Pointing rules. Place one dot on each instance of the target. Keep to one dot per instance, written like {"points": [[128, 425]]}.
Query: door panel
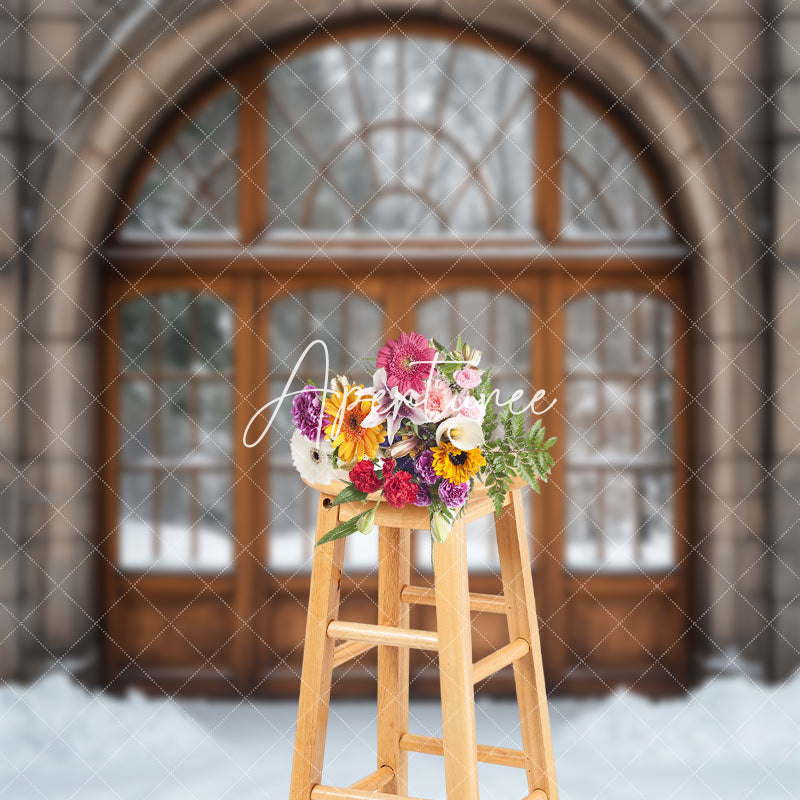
{"points": [[173, 585], [350, 319], [616, 602]]}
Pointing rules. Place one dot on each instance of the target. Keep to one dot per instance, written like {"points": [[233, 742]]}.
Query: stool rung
{"points": [[343, 653], [506, 655], [375, 781], [335, 793], [382, 634], [433, 746], [488, 603]]}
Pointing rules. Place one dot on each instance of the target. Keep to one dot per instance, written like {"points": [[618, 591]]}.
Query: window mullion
{"points": [[547, 143]]}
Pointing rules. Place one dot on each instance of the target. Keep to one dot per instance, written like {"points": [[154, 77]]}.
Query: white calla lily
{"points": [[462, 432]]}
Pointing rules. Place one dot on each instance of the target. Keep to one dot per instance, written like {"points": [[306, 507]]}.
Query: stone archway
{"points": [[93, 158]]}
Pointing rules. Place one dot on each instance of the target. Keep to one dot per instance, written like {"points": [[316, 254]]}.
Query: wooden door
{"points": [[177, 507], [502, 325], [615, 568]]}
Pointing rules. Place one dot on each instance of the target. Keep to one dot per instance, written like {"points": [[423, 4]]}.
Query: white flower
{"points": [[462, 432], [312, 462], [339, 384]]}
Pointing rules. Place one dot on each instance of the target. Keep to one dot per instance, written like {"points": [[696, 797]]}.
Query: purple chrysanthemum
{"points": [[423, 498], [307, 410], [423, 466], [454, 495]]}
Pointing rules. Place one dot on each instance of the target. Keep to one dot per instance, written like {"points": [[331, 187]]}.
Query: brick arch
{"points": [[94, 157]]}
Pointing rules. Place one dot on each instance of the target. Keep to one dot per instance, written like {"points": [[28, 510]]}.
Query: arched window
{"points": [[191, 187], [405, 136], [346, 188]]}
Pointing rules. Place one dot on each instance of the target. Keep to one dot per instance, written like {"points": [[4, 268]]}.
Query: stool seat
{"points": [[479, 505], [331, 642]]}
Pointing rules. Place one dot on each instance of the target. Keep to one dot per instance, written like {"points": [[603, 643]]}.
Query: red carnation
{"points": [[364, 478], [388, 466], [400, 490]]}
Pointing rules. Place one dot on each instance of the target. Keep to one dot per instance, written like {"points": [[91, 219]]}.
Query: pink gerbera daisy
{"points": [[405, 360]]}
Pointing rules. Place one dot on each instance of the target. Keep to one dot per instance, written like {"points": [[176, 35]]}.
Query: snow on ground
{"points": [[732, 739]]}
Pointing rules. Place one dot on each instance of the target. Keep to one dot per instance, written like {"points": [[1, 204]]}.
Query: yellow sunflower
{"points": [[457, 466], [346, 410]]}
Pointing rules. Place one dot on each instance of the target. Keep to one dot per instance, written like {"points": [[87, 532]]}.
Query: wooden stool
{"points": [[453, 641]]}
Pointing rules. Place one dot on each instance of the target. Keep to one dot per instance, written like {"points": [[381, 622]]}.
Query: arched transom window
{"points": [[397, 136]]}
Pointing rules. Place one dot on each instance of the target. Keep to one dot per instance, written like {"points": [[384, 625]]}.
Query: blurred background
{"points": [[601, 197]]}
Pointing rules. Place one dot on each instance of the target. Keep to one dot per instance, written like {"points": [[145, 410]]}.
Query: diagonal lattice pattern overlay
{"points": [[198, 518]]}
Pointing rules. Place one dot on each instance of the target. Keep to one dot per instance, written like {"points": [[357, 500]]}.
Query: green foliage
{"points": [[518, 453], [348, 495], [344, 528]]}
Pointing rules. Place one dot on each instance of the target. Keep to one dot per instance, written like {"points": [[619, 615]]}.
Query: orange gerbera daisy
{"points": [[347, 409]]}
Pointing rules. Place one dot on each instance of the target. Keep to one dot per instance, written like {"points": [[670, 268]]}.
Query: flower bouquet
{"points": [[423, 434]]}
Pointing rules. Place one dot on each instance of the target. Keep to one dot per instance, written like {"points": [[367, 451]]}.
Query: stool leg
{"points": [[394, 572], [315, 685], [455, 666], [515, 566]]}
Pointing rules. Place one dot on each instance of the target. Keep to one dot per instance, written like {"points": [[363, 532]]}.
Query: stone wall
{"points": [[61, 65], [786, 489]]}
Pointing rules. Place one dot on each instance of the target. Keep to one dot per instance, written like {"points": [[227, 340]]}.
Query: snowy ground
{"points": [[731, 740]]}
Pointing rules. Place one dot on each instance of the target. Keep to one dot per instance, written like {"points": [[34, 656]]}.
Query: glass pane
{"points": [[584, 337], [619, 348], [403, 136], [584, 534], [137, 426], [620, 521], [657, 538], [214, 530], [191, 186], [175, 422], [137, 320], [472, 311], [582, 415], [174, 534], [606, 192], [619, 512], [512, 332], [619, 423], [290, 545], [179, 415], [214, 421], [136, 512], [655, 322], [656, 410], [214, 322], [175, 340], [287, 331]]}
